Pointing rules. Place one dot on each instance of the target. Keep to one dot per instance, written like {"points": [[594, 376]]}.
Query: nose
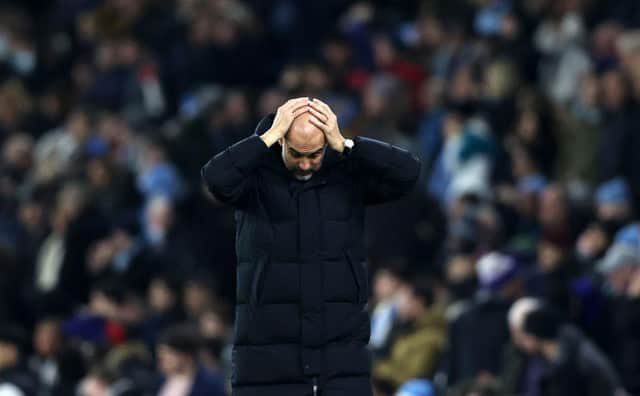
{"points": [[305, 165]]}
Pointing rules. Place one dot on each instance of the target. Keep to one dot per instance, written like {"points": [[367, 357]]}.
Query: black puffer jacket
{"points": [[302, 278]]}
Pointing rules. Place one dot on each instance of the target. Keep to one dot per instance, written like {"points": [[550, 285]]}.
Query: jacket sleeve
{"points": [[600, 375], [230, 175], [388, 172]]}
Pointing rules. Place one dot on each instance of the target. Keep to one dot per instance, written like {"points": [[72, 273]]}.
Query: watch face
{"points": [[348, 143]]}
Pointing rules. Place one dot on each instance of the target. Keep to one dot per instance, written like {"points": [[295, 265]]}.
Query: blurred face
{"points": [[553, 207], [161, 298], [315, 79], [46, 338], [160, 214], [612, 211], [78, 125], [31, 214], [373, 102], [224, 32], [592, 242], [549, 256], [170, 361], [196, 299], [462, 86], [237, 108], [459, 268], [336, 53], [409, 306], [430, 31], [98, 173], [452, 126], [527, 128], [269, 101], [8, 354], [18, 151], [128, 52], [200, 29], [385, 285], [100, 304], [384, 52], [93, 386], [212, 325], [303, 148], [620, 278]]}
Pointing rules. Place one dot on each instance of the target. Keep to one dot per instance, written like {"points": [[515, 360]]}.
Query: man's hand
{"points": [[325, 119], [284, 117]]}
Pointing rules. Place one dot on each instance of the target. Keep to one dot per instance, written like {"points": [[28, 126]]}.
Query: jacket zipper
{"points": [[315, 386]]}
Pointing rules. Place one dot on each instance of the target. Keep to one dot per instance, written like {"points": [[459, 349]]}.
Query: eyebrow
{"points": [[318, 151]]}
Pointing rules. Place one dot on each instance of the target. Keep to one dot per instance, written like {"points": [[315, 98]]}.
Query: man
{"points": [[477, 336], [575, 366], [178, 350], [301, 323], [101, 381], [15, 378], [520, 373], [421, 336]]}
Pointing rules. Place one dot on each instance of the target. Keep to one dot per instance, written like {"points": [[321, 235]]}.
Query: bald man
{"points": [[299, 189]]}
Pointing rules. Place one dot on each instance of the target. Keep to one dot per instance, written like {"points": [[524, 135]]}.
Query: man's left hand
{"points": [[326, 120]]}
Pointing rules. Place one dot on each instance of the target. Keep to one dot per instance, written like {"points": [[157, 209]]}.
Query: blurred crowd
{"points": [[513, 269]]}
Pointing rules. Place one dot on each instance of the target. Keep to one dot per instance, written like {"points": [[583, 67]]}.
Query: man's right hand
{"points": [[284, 117]]}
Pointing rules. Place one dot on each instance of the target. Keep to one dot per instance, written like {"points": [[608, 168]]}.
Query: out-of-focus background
{"points": [[117, 268]]}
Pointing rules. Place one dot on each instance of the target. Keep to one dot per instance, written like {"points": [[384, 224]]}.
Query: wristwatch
{"points": [[348, 146]]}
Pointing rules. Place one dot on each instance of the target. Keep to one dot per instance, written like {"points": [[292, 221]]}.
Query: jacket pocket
{"points": [[359, 276], [257, 281], [253, 331]]}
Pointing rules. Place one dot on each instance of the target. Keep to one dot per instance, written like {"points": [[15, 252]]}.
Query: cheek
{"points": [[290, 162], [317, 161]]}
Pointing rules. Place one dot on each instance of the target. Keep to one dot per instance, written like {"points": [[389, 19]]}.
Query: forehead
{"points": [[305, 142]]}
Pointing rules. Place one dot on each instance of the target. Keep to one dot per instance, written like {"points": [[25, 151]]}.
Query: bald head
{"points": [[304, 136], [303, 147]]}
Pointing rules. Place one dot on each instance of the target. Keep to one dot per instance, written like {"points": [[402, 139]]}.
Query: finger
{"points": [[299, 105], [294, 105], [297, 101], [321, 116], [318, 123], [323, 105], [325, 114], [299, 111], [318, 106]]}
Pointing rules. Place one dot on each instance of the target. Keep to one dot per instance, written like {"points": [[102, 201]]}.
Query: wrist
{"points": [[270, 137], [337, 143]]}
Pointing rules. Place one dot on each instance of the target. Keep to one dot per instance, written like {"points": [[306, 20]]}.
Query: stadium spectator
{"points": [[418, 344], [178, 359], [574, 365]]}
